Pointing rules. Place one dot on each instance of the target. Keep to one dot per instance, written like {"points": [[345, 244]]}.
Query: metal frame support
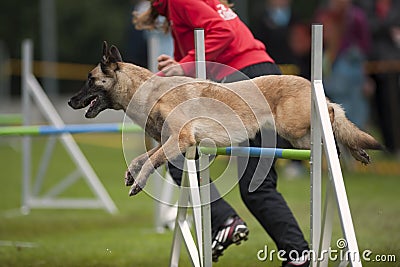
{"points": [[321, 221], [30, 198], [316, 144], [195, 197], [204, 160], [321, 230], [200, 254]]}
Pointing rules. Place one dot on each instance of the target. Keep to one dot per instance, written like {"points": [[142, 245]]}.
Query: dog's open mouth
{"points": [[94, 102], [94, 107]]}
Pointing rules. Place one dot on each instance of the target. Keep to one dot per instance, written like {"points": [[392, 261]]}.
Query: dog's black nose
{"points": [[70, 103]]}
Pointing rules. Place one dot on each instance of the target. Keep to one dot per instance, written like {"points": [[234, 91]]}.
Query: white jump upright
{"points": [[321, 221], [322, 139], [191, 195], [31, 90]]}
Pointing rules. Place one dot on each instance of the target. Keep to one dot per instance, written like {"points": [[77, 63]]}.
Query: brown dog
{"points": [[179, 112]]}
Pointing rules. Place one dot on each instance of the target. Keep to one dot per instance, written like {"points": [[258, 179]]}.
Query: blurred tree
{"points": [[81, 26], [18, 20]]}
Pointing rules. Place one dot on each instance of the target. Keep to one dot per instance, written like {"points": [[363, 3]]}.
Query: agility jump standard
{"points": [[198, 196], [320, 219], [32, 197]]}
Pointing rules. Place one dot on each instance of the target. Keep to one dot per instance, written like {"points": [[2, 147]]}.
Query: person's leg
{"points": [[387, 103], [267, 204]]}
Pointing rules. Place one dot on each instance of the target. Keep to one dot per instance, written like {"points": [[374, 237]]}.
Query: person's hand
{"points": [[169, 66]]}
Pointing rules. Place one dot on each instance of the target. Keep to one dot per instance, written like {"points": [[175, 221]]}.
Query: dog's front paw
{"points": [[140, 180], [135, 189], [132, 172], [129, 179]]}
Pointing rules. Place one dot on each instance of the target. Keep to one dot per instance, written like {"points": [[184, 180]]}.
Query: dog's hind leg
{"points": [[136, 165], [170, 150]]}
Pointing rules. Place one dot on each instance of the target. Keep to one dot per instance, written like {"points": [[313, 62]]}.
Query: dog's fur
{"points": [[158, 105]]}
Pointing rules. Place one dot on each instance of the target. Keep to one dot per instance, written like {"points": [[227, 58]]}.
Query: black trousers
{"points": [[265, 203], [387, 101]]}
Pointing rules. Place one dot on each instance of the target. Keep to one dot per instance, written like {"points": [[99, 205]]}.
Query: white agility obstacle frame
{"points": [[321, 130], [31, 90], [191, 195], [321, 219]]}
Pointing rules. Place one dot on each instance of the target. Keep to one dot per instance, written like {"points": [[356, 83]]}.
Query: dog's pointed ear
{"points": [[115, 55], [104, 59], [109, 59]]}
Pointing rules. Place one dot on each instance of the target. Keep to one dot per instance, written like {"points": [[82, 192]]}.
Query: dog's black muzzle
{"points": [[97, 100]]}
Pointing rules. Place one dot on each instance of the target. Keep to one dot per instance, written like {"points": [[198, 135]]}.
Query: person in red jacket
{"points": [[228, 41]]}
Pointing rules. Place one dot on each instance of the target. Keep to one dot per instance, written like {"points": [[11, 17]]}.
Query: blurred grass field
{"points": [[96, 238]]}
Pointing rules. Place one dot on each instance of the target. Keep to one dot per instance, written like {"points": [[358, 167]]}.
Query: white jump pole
{"points": [[204, 161], [200, 254], [316, 144], [27, 140], [321, 127]]}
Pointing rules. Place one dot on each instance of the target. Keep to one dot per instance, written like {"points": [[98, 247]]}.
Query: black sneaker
{"points": [[233, 231]]}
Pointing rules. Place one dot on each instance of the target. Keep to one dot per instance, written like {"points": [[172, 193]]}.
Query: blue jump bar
{"points": [[75, 128]]}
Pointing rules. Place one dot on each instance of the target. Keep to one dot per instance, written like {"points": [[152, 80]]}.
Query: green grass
{"points": [[96, 238]]}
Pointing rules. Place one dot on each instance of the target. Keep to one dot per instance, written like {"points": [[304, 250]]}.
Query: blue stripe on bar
{"points": [[253, 151], [278, 152], [76, 128]]}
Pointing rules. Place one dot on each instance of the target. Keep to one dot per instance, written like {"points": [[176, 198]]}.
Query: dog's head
{"points": [[97, 92]]}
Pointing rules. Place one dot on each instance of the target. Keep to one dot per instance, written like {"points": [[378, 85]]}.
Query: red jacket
{"points": [[227, 39]]}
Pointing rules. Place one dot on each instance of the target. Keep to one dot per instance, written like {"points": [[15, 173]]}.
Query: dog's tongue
{"points": [[92, 102]]}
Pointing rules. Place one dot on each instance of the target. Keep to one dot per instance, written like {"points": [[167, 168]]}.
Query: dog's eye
{"points": [[103, 81], [90, 82]]}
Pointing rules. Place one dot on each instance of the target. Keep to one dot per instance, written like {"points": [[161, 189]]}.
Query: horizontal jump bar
{"points": [[37, 130], [70, 128], [298, 154]]}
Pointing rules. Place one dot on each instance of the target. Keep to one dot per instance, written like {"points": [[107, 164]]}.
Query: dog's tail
{"points": [[350, 135]]}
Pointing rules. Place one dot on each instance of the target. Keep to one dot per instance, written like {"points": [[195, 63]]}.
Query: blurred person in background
{"points": [[137, 42], [384, 23], [279, 29], [272, 27], [347, 43], [300, 47], [142, 45], [300, 50]]}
